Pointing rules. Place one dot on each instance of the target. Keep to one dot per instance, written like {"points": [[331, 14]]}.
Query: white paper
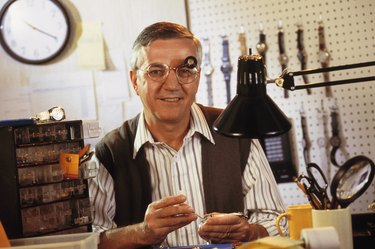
{"points": [[15, 103], [72, 91]]}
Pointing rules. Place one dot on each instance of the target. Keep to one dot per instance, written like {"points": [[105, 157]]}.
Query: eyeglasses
{"points": [[159, 72]]}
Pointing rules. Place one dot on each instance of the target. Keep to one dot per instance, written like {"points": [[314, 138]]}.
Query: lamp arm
{"points": [[286, 79]]}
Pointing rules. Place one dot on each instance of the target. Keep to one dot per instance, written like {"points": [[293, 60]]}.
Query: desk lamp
{"points": [[252, 113]]}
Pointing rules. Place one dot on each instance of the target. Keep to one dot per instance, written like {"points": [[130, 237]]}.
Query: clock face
{"points": [[34, 31]]}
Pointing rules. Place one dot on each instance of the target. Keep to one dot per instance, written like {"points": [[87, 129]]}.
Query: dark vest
{"points": [[222, 166]]}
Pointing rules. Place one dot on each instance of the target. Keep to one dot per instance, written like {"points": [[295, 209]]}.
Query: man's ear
{"points": [[133, 78]]}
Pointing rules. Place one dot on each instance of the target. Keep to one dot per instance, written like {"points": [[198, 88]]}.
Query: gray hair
{"points": [[161, 30]]}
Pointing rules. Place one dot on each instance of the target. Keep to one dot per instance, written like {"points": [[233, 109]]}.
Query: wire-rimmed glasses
{"points": [[159, 72]]}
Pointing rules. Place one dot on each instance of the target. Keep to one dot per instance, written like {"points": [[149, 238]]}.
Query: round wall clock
{"points": [[34, 31]]}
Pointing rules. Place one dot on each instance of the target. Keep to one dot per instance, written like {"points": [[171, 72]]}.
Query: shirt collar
{"points": [[198, 124]]}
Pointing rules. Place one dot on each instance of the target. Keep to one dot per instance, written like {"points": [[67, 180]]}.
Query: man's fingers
{"points": [[223, 219], [169, 201]]}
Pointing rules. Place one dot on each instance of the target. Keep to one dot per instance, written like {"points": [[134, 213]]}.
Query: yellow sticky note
{"points": [[90, 47], [69, 163]]}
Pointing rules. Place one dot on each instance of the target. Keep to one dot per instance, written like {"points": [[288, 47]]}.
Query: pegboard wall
{"points": [[350, 38]]}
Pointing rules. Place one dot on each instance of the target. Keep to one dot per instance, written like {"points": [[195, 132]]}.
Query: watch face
{"points": [[324, 56], [283, 59], [261, 47], [207, 69], [34, 31], [335, 141], [57, 113]]}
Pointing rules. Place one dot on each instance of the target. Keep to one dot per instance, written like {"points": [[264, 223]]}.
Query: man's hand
{"points": [[161, 218], [165, 216], [229, 228]]}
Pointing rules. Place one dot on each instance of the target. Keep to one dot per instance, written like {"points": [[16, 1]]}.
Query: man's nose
{"points": [[172, 81]]}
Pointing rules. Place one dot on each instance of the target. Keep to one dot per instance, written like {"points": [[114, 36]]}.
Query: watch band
{"points": [[226, 67], [302, 55], [324, 56], [208, 70], [283, 57], [305, 138], [262, 46], [242, 40], [335, 140]]}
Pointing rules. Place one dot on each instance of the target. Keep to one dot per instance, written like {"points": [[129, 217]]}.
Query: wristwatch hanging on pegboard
{"points": [[302, 55], [262, 46], [335, 140], [242, 40], [226, 67], [306, 143], [283, 57], [324, 56], [208, 70]]}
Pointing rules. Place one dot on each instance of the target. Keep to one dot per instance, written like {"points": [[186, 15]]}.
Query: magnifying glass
{"points": [[351, 181]]}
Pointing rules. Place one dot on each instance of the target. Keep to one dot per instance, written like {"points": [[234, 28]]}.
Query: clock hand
{"points": [[39, 30]]}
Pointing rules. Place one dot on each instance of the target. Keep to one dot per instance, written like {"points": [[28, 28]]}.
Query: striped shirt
{"points": [[174, 172]]}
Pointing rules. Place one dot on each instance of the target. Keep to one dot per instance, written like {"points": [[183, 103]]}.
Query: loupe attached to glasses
{"points": [[351, 181], [190, 62]]}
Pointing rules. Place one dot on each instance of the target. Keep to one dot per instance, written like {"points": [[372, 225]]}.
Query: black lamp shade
{"points": [[251, 113]]}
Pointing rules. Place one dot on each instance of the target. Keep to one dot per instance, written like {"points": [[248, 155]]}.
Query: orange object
{"points": [[4, 241], [84, 150], [69, 163]]}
